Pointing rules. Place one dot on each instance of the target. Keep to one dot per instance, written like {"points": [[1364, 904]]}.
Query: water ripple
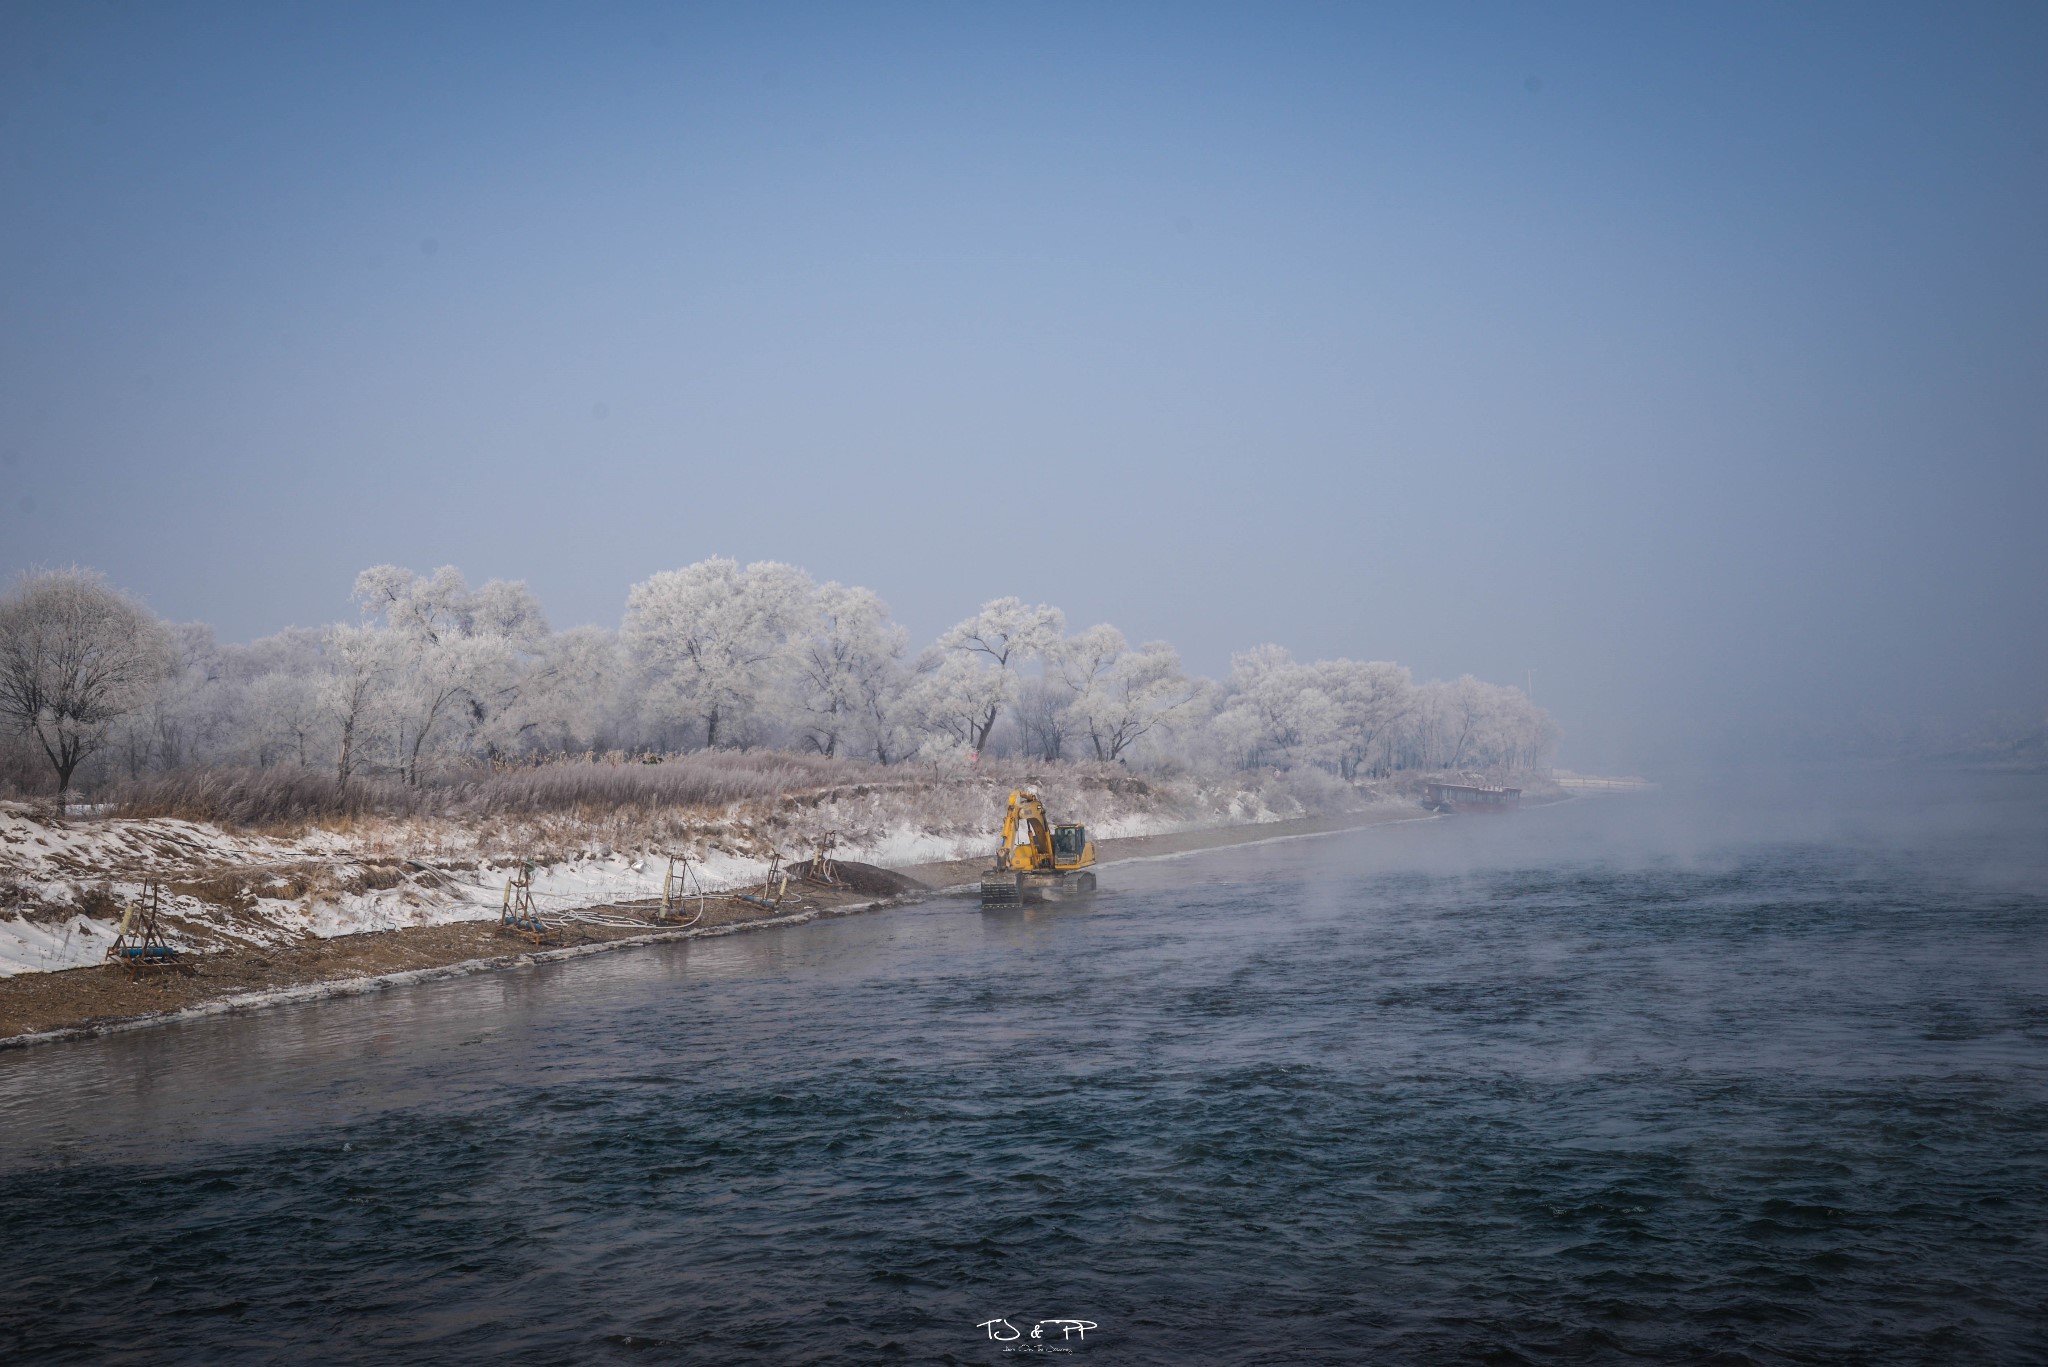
{"points": [[1434, 1095]]}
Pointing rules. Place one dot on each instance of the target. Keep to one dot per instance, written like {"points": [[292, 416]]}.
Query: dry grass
{"points": [[268, 798], [260, 797], [706, 779], [741, 802]]}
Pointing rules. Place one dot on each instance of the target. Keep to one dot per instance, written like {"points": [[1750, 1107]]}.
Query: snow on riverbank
{"points": [[64, 883], [29, 947]]}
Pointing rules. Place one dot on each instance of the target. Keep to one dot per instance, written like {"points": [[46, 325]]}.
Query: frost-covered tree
{"points": [[1465, 703], [298, 651], [951, 696], [191, 719], [1280, 708], [284, 715], [418, 607], [1086, 656], [1234, 736], [76, 656], [997, 643], [442, 689], [720, 655], [1044, 717], [358, 667], [1370, 698], [713, 642], [1468, 723], [573, 696], [1511, 732], [506, 610], [509, 644], [847, 666], [889, 725], [1124, 695], [459, 658]]}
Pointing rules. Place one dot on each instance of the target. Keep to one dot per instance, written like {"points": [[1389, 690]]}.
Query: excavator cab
{"points": [[1069, 844]]}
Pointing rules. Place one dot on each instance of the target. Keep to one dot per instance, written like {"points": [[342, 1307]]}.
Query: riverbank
{"points": [[82, 1002], [228, 875]]}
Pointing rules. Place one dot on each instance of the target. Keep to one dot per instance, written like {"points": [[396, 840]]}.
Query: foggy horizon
{"points": [[1684, 364]]}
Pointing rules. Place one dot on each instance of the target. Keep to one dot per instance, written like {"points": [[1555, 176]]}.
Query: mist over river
{"points": [[1756, 1071]]}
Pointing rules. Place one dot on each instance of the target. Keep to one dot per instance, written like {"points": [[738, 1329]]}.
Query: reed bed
{"points": [[581, 785]]}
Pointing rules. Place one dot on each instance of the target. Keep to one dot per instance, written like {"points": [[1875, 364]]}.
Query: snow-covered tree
{"points": [[1043, 710], [359, 664], [1279, 707], [573, 697], [443, 689], [997, 643], [1117, 695], [847, 667], [714, 642], [506, 610], [419, 607], [718, 655], [189, 718], [950, 697], [1138, 691], [284, 715], [460, 658], [1468, 723], [890, 725], [76, 656], [298, 651], [1465, 703], [1370, 697], [1086, 656], [193, 713]]}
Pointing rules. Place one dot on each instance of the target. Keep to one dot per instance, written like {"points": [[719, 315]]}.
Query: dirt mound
{"points": [[865, 879]]}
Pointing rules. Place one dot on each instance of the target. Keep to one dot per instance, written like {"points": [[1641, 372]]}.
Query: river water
{"points": [[1745, 1076]]}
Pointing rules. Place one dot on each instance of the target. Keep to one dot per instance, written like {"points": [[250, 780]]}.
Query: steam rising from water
{"points": [[1650, 1078]]}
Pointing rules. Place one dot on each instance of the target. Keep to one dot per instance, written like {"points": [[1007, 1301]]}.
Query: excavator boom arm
{"points": [[1025, 816]]}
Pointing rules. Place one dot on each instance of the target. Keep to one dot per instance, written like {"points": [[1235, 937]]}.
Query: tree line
{"points": [[436, 675]]}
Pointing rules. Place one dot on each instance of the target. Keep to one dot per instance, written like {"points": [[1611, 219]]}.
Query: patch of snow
{"points": [[30, 947]]}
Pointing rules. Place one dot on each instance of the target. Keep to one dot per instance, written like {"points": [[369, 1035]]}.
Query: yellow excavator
{"points": [[1039, 861]]}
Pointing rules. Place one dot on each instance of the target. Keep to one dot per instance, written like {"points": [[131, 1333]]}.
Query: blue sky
{"points": [[1690, 358]]}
